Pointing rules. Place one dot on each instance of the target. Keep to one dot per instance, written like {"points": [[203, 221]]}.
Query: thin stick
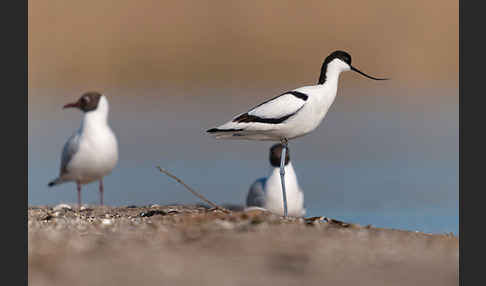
{"points": [[191, 190]]}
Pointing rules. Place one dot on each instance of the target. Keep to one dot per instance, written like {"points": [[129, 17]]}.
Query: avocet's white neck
{"points": [[334, 69], [97, 117]]}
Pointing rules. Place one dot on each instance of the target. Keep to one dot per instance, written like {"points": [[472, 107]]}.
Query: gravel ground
{"points": [[194, 245]]}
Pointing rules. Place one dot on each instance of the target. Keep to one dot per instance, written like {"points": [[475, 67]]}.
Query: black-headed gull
{"points": [[291, 114], [267, 192], [92, 151]]}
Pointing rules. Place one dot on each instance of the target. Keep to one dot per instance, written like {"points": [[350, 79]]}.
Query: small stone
{"points": [[60, 207], [224, 224], [337, 222], [152, 212], [47, 217], [107, 221], [314, 220], [257, 220]]}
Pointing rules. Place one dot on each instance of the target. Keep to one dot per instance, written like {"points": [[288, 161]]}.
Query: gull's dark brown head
{"points": [[276, 155], [87, 102]]}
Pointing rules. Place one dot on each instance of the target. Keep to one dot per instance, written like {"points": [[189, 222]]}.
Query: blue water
{"points": [[383, 156]]}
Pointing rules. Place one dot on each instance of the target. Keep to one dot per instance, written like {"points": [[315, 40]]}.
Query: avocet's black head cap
{"points": [[276, 155], [87, 102], [345, 57], [342, 55]]}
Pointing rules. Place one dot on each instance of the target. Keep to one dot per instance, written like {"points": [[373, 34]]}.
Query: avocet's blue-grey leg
{"points": [[282, 174]]}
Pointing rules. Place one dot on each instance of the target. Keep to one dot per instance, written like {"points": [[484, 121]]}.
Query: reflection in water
{"points": [[382, 156]]}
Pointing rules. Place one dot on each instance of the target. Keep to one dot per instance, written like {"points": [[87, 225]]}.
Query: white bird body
{"points": [[290, 115], [267, 193], [97, 148], [92, 151]]}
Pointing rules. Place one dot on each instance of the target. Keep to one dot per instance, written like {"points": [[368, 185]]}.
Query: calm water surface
{"points": [[383, 156]]}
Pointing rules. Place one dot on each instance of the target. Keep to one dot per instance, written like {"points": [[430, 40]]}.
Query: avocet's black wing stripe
{"points": [[216, 130], [297, 94], [275, 110], [246, 118]]}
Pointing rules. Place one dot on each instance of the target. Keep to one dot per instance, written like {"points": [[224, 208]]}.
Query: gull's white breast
{"points": [[96, 157], [274, 197]]}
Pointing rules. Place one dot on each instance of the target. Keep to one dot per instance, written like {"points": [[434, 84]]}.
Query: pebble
{"points": [[152, 212], [46, 217], [60, 207], [224, 224], [107, 221]]}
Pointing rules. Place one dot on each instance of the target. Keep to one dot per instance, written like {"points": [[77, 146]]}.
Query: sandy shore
{"points": [[190, 245]]}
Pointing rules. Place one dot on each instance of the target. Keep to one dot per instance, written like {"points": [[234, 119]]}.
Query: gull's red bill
{"points": [[72, 105]]}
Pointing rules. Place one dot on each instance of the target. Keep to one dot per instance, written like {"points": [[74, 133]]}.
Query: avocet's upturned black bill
{"points": [[291, 114], [368, 76]]}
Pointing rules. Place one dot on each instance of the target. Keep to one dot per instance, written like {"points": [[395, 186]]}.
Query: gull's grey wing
{"points": [[70, 148], [256, 194]]}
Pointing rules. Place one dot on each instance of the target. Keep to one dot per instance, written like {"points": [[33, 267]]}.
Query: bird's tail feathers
{"points": [[221, 133], [54, 182], [226, 130]]}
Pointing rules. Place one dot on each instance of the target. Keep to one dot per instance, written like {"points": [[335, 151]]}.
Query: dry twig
{"points": [[192, 191]]}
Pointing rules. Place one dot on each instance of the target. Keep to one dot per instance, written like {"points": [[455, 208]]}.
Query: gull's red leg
{"points": [[101, 192], [79, 194]]}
